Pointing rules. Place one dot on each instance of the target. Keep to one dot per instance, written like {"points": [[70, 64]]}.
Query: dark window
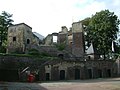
{"points": [[14, 38], [28, 41]]}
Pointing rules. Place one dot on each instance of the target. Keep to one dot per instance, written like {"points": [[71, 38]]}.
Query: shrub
{"points": [[2, 49], [33, 52], [60, 47]]}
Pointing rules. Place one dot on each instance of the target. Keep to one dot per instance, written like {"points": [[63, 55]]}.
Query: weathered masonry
{"points": [[70, 58], [70, 70], [21, 38], [57, 69]]}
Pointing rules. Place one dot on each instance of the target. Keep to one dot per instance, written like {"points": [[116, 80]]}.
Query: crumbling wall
{"points": [[15, 39], [20, 38]]}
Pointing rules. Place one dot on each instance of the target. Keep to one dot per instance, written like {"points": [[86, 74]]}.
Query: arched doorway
{"points": [[61, 56], [77, 73], [47, 76], [99, 73], [90, 73], [62, 74], [108, 72]]}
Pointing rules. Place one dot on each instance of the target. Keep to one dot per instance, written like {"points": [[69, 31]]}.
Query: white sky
{"points": [[47, 16]]}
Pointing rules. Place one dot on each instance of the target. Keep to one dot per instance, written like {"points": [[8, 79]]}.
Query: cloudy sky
{"points": [[47, 16]]}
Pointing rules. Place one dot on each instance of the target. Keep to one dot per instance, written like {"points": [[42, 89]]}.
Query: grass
{"points": [[28, 55]]}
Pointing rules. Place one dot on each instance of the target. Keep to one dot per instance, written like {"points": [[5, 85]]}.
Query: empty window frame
{"points": [[14, 39]]}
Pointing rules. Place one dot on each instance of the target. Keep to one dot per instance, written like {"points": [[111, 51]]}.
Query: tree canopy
{"points": [[5, 22], [102, 29]]}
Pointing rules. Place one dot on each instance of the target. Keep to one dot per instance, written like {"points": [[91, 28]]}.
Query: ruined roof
{"points": [[38, 35]]}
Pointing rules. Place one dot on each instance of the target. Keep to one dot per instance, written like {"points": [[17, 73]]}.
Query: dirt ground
{"points": [[97, 84]]}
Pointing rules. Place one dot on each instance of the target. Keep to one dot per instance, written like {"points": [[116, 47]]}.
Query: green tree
{"points": [[86, 21], [85, 24], [5, 22], [102, 30]]}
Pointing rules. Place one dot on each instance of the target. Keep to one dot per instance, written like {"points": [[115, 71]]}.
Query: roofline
{"points": [[20, 24], [76, 22], [36, 36]]}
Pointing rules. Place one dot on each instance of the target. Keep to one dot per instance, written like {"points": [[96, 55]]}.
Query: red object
{"points": [[31, 78]]}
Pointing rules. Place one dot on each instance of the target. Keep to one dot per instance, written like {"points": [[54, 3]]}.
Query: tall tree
{"points": [[5, 22], [102, 30], [86, 21], [85, 24]]}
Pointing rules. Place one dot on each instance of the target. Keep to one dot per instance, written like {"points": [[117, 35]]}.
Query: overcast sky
{"points": [[47, 16]]}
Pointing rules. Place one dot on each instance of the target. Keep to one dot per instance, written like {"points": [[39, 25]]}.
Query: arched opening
{"points": [[28, 41], [108, 72], [77, 73], [47, 76], [61, 56], [99, 73], [90, 73], [62, 74]]}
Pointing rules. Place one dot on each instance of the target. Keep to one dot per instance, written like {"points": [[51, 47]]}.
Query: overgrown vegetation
{"points": [[41, 57], [2, 49], [33, 52], [60, 46], [5, 22]]}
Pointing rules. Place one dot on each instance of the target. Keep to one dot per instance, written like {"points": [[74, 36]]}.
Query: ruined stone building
{"points": [[74, 62], [21, 38], [77, 63]]}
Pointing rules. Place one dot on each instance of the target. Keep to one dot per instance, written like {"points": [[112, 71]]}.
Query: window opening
{"points": [[28, 41], [14, 39]]}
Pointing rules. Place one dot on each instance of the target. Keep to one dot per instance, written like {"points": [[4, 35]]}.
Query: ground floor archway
{"points": [[77, 73], [62, 74]]}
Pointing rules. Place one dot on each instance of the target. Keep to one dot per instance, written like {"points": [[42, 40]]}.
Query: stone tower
{"points": [[78, 40], [20, 38]]}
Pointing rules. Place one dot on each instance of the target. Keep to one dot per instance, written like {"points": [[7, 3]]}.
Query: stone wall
{"points": [[14, 66], [50, 50], [81, 69], [19, 62], [49, 40], [58, 69], [15, 39]]}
